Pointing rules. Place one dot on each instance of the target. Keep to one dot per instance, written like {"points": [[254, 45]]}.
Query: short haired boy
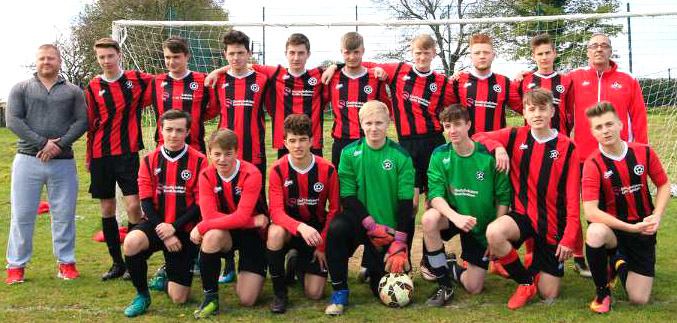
{"points": [[618, 204]]}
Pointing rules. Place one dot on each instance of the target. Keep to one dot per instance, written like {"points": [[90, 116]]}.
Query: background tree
{"points": [[512, 39], [95, 21]]}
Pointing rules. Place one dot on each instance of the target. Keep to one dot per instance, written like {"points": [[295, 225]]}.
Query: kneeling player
{"points": [[168, 188], [377, 189], [229, 199], [546, 207], [301, 185], [478, 194], [617, 202]]}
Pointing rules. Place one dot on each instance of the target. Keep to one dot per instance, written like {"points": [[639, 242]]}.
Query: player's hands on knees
{"points": [[195, 236], [563, 253], [328, 73], [380, 73], [655, 222], [173, 244], [164, 230], [320, 258], [261, 221], [464, 222], [397, 259], [309, 235], [380, 235], [502, 160]]}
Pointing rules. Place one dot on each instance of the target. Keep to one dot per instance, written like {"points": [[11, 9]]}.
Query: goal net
{"points": [[644, 44]]}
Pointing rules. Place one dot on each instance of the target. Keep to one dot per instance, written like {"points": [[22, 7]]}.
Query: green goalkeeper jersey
{"points": [[379, 178], [470, 184]]}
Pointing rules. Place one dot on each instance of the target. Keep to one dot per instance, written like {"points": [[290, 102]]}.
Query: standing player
{"points": [[347, 91], [602, 80], [114, 103], [168, 186], [232, 211], [466, 192], [485, 94], [301, 187], [544, 54], [617, 202], [545, 177], [377, 188], [239, 97]]}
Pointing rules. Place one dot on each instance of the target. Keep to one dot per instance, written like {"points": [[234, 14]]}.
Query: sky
{"points": [[41, 21]]}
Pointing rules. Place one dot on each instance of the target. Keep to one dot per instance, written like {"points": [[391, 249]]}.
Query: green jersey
{"points": [[378, 178], [470, 184]]}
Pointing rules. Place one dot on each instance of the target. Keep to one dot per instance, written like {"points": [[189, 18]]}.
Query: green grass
{"points": [[45, 298]]}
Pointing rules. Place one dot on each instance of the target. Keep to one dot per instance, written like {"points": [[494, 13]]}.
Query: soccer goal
{"points": [[644, 44]]}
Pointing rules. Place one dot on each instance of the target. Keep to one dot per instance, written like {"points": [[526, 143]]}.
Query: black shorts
{"points": [[252, 250], [336, 149], [638, 250], [472, 250], [544, 258], [106, 171], [420, 149], [179, 265], [283, 151], [305, 263]]}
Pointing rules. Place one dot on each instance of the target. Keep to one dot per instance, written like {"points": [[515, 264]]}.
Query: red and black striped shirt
{"points": [[291, 94], [172, 183], [418, 99], [620, 185], [559, 85], [485, 98], [230, 203], [545, 176], [187, 94], [240, 102], [347, 95], [297, 196], [114, 114]]}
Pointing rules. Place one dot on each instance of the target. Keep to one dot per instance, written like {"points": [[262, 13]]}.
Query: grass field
{"points": [[43, 297]]}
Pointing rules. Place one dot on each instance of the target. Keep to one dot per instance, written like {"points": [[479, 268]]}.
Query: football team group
{"points": [[198, 200]]}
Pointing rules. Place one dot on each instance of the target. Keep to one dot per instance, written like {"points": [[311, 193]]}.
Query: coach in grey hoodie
{"points": [[48, 114]]}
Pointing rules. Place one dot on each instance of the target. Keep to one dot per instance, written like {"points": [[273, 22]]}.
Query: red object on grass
{"points": [[98, 237], [43, 207]]}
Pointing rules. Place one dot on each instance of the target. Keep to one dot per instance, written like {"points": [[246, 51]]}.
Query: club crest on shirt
{"points": [[387, 164], [255, 88], [497, 88], [608, 174], [312, 81], [193, 86], [318, 187], [616, 85], [554, 154], [479, 175], [129, 84], [560, 88], [638, 170], [433, 87], [368, 89], [185, 175]]}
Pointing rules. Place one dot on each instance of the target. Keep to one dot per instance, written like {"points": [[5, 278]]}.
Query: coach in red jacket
{"points": [[603, 81]]}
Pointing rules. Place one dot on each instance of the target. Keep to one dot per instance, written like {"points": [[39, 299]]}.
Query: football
{"points": [[395, 290]]}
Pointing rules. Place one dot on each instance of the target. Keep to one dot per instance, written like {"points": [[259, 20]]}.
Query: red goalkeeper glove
{"points": [[380, 235], [397, 259]]}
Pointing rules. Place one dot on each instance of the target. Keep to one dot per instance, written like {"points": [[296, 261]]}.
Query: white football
{"points": [[396, 290]]}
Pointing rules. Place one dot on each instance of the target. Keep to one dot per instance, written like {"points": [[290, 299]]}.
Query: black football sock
{"points": [[598, 263], [276, 266], [438, 266], [112, 237], [621, 269], [512, 264], [210, 267], [230, 262], [138, 270]]}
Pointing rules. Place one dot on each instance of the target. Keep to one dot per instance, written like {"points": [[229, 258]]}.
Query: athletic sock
{"points": [[597, 261], [112, 237], [621, 270], [230, 261], [512, 264], [438, 266], [138, 270], [210, 268], [276, 266], [456, 272]]}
